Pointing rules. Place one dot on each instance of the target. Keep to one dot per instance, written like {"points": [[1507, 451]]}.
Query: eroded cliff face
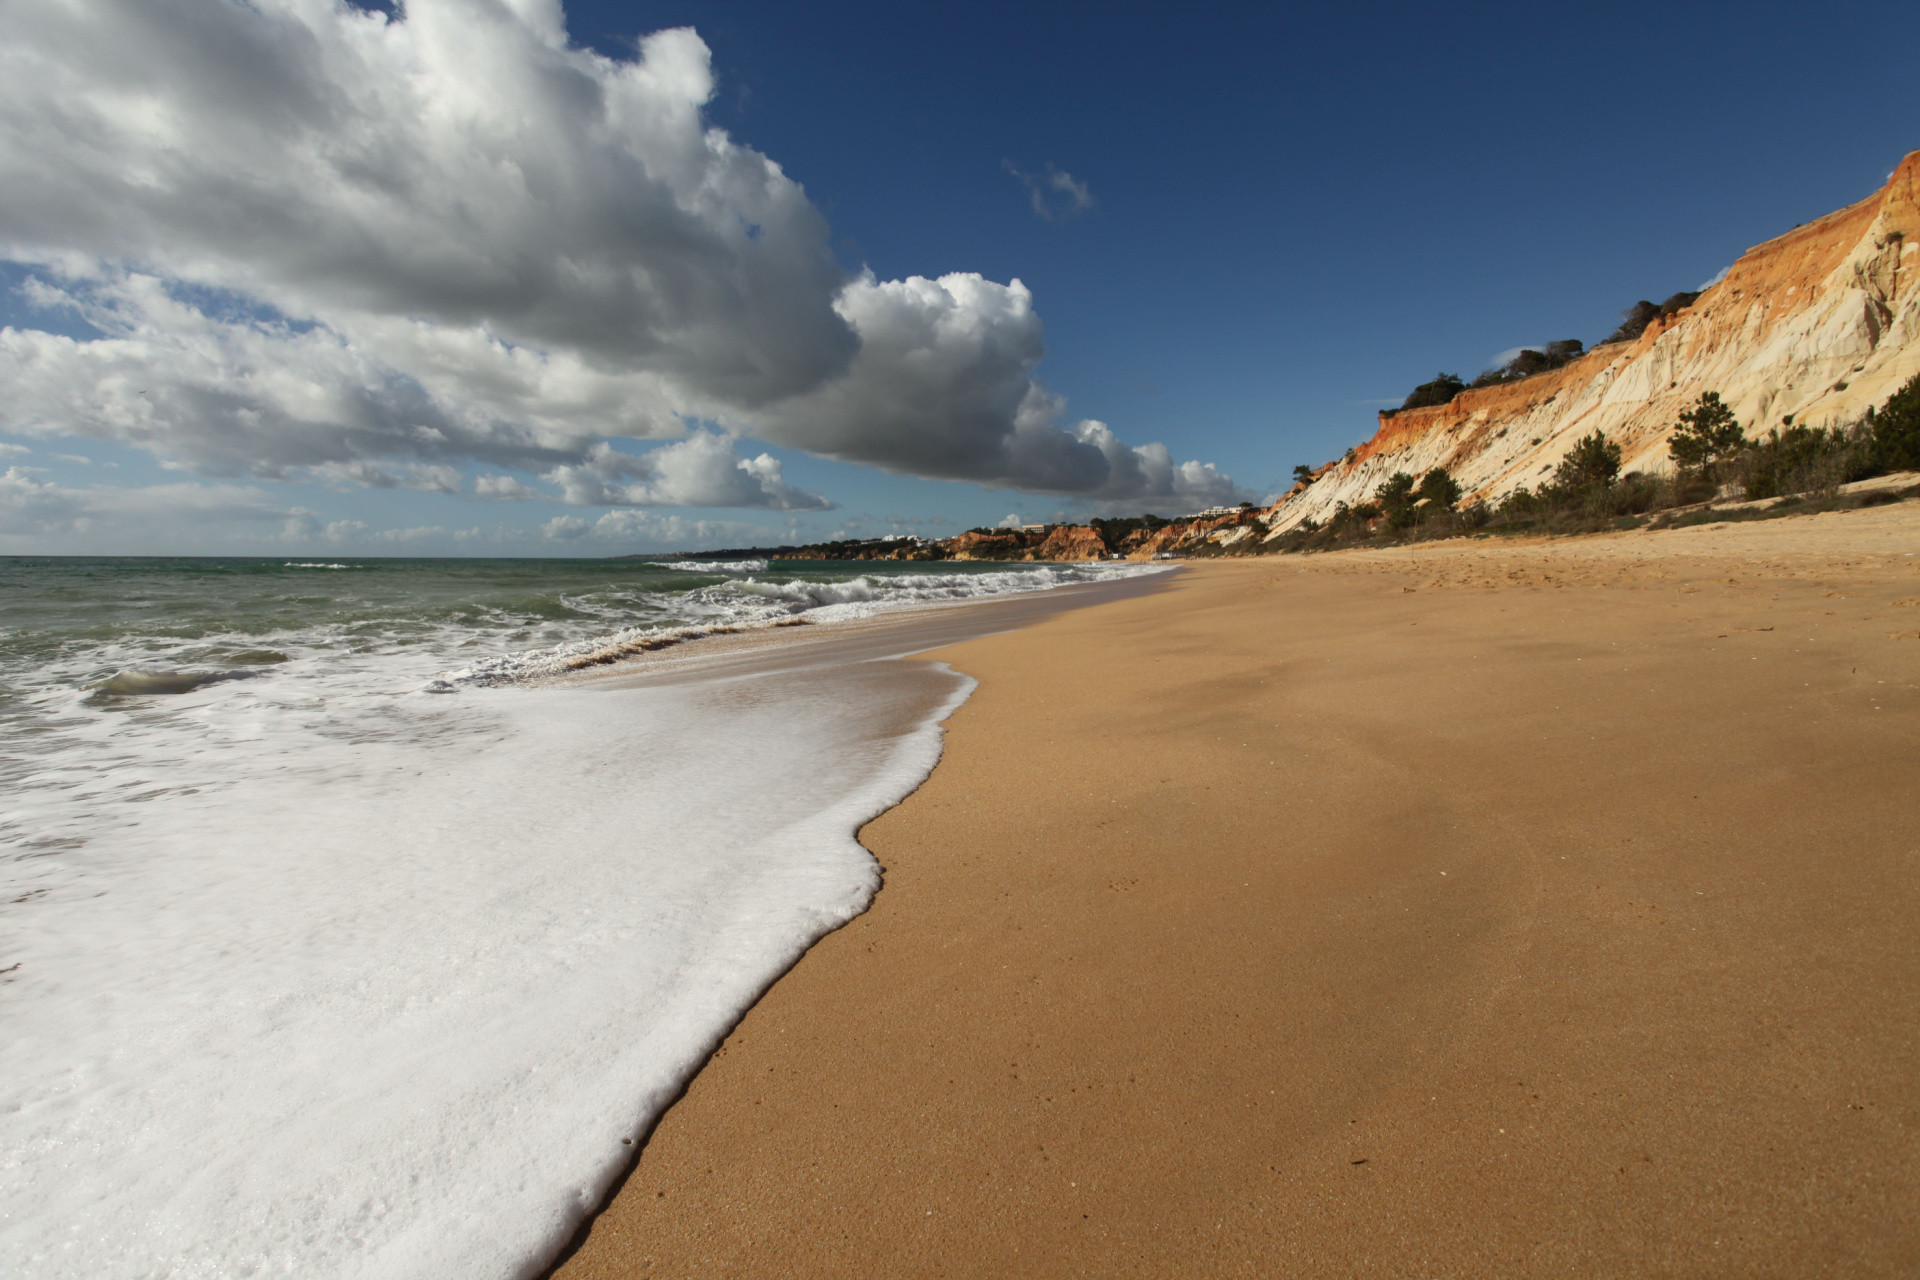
{"points": [[1056, 542], [1072, 542], [1184, 535], [1813, 327]]}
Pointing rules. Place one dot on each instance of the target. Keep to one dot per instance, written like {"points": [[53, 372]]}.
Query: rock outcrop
{"points": [[1188, 535], [1072, 542], [985, 546], [1811, 328]]}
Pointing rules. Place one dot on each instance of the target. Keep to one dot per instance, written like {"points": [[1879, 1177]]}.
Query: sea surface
{"points": [[339, 938]]}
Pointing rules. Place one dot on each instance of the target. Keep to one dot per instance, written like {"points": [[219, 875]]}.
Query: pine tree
{"points": [[1439, 489], [1396, 499], [1707, 433]]}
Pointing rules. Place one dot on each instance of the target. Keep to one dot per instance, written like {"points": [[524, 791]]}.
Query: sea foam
{"points": [[386, 1004], [311, 974], [715, 566]]}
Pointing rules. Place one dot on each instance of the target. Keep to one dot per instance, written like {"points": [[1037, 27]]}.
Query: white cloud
{"points": [[35, 513], [425, 477], [648, 530], [418, 533], [1055, 195], [943, 386], [505, 489], [13, 450], [700, 471], [247, 396], [39, 516], [324, 243]]}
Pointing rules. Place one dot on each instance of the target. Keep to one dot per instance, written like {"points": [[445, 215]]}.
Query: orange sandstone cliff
{"points": [[1813, 327], [1072, 542]]}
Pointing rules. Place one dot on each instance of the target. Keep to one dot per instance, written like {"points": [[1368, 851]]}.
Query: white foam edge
{"points": [[320, 1069]]}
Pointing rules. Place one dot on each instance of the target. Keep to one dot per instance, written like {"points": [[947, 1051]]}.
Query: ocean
{"points": [[345, 930]]}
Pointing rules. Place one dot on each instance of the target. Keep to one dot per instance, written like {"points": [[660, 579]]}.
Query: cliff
{"points": [[1813, 327], [1140, 538], [1072, 542]]}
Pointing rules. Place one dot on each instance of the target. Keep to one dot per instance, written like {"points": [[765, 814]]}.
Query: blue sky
{"points": [[1267, 223]]}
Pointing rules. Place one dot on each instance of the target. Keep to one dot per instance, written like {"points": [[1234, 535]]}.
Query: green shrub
{"points": [[1521, 504], [1438, 490], [1441, 390], [1689, 487], [1396, 499], [1593, 460], [1635, 319], [1895, 427], [1803, 460], [1407, 502], [1532, 360], [1635, 494], [1112, 531]]}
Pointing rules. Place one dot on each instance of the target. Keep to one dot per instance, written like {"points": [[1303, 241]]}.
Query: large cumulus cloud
{"points": [[943, 384], [318, 239]]}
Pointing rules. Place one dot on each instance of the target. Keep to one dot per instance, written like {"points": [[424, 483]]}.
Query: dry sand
{"points": [[1484, 910]]}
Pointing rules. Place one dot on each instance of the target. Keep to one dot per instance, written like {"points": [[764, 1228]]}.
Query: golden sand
{"points": [[1479, 910]]}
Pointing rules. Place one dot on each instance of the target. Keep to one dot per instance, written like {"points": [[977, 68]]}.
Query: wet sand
{"points": [[1485, 909]]}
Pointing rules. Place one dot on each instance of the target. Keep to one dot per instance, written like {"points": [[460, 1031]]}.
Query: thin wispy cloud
{"points": [[1055, 194], [623, 528], [1504, 358], [32, 507]]}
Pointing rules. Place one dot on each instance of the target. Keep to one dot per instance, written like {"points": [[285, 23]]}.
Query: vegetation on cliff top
{"points": [[1635, 319], [1536, 360], [1532, 360], [1441, 390]]}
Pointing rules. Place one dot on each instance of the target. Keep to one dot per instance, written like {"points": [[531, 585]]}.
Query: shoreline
{"points": [[899, 632], [1453, 911], [339, 963]]}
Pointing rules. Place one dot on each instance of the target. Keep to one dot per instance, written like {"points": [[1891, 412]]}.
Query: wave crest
{"points": [[749, 604], [714, 566]]}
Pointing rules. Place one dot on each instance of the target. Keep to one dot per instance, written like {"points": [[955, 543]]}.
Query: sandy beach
{"points": [[1481, 909]]}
